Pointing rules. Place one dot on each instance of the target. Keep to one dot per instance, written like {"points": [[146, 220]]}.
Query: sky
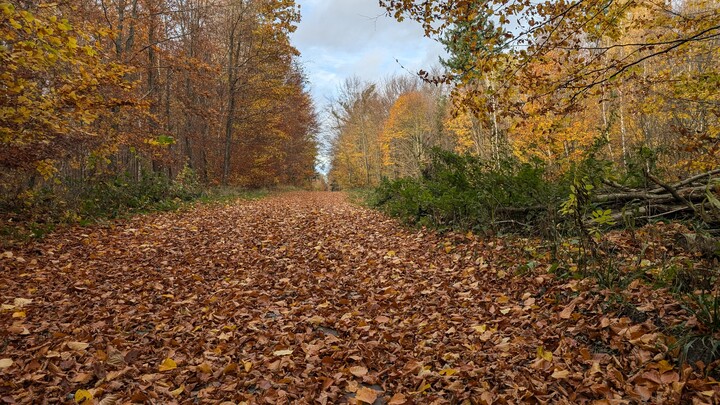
{"points": [[339, 39]]}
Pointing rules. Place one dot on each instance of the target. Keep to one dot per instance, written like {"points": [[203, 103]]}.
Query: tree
{"points": [[56, 87]]}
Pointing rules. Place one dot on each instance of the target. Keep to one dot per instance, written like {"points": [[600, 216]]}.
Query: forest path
{"points": [[303, 297]]}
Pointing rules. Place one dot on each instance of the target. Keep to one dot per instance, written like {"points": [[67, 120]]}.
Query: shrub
{"points": [[465, 192]]}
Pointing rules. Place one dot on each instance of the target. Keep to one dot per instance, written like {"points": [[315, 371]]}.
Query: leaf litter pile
{"points": [[306, 298]]}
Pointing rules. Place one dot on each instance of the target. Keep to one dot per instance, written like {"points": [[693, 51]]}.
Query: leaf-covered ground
{"points": [[306, 298]]}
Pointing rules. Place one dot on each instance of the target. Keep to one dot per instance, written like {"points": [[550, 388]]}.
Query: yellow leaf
{"points": [[501, 274], [664, 366], [19, 314], [542, 354], [503, 300], [448, 372], [83, 396], [424, 388], [178, 391], [168, 364], [248, 366], [5, 363], [480, 328], [286, 352]]}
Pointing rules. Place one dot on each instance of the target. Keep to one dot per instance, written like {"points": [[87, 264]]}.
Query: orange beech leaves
{"points": [[305, 298]]}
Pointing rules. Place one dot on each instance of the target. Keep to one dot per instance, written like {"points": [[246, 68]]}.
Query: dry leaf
{"points": [[397, 399], [366, 395], [109, 400], [21, 302], [77, 345], [176, 392], [358, 371], [5, 363], [286, 352], [567, 312], [83, 397], [167, 364]]}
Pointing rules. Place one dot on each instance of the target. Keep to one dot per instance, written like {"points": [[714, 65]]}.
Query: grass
{"points": [[361, 196], [230, 194]]}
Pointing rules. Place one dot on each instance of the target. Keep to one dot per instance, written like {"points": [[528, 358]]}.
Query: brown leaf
{"points": [[77, 346], [366, 395], [397, 399], [358, 371], [567, 312]]}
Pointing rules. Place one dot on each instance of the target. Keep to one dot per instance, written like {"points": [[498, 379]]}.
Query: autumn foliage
{"points": [[96, 91]]}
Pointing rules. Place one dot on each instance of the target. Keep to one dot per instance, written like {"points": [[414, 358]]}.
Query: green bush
{"points": [[465, 192]]}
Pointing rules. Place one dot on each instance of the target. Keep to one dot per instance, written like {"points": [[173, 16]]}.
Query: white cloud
{"points": [[343, 38]]}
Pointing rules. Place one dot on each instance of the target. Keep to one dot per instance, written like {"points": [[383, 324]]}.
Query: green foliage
{"points": [[38, 210], [705, 345], [465, 192], [118, 195], [186, 185], [228, 194]]}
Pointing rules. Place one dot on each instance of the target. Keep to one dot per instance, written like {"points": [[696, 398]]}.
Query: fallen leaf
{"points": [[109, 400], [567, 312], [204, 368], [285, 352], [366, 395], [83, 396], [448, 372], [21, 302], [397, 399], [358, 371], [560, 374], [545, 355], [5, 363], [77, 346], [167, 364], [176, 392], [82, 378]]}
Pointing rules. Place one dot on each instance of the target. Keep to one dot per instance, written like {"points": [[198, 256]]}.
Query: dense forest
{"points": [[620, 98], [138, 99], [536, 220]]}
